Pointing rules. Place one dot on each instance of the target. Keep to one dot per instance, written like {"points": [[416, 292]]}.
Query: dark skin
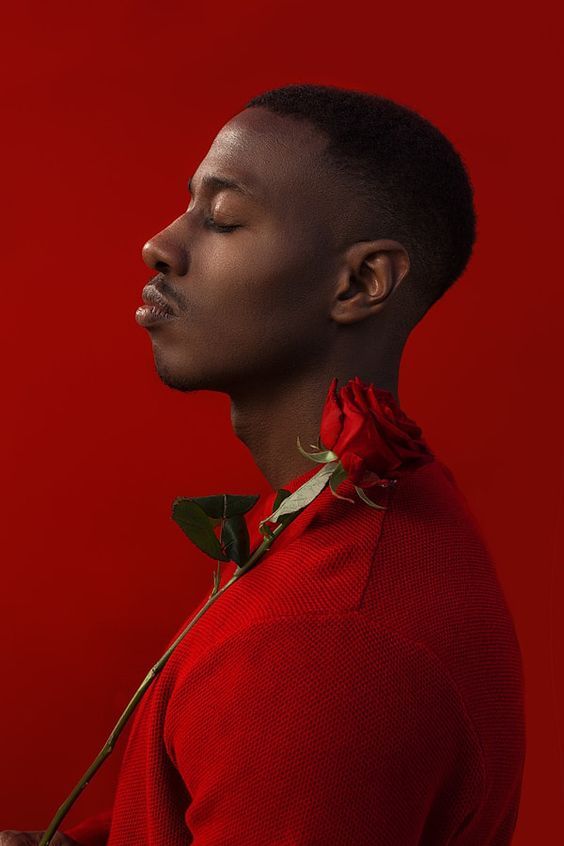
{"points": [[271, 311]]}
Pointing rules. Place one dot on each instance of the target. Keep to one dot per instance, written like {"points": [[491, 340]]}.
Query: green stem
{"points": [[153, 672]]}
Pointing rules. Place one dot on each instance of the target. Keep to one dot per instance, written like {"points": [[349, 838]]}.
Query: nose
{"points": [[165, 251]]}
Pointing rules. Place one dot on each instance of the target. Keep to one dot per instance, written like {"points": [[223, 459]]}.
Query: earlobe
{"points": [[372, 270]]}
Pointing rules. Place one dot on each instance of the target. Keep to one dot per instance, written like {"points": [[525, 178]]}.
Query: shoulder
{"points": [[345, 641], [333, 674], [329, 726]]}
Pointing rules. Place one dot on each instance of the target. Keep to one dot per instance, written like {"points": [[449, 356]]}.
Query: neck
{"points": [[269, 416]]}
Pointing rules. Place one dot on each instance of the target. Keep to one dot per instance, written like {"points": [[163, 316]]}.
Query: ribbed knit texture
{"points": [[361, 685]]}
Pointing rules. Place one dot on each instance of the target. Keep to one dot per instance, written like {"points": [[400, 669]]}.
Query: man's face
{"points": [[250, 302]]}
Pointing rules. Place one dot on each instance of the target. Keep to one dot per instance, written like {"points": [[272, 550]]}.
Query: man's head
{"points": [[353, 215]]}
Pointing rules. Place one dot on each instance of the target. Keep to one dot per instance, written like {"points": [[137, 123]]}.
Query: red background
{"points": [[108, 109]]}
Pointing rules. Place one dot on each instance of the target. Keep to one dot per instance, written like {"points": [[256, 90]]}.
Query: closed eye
{"points": [[211, 224]]}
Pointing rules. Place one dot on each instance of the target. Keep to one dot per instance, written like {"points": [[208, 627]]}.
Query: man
{"points": [[363, 684]]}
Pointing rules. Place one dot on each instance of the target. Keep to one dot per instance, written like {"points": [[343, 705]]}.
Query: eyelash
{"points": [[210, 222]]}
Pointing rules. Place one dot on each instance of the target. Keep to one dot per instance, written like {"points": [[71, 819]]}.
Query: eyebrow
{"points": [[220, 183]]}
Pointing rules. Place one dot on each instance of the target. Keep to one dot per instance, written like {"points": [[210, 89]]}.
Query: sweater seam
{"points": [[391, 491], [427, 650], [420, 645], [424, 647]]}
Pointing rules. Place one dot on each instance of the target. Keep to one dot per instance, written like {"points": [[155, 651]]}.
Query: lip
{"points": [[155, 309]]}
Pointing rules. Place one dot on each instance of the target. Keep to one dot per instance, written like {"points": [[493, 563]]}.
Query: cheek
{"points": [[258, 283], [254, 308]]}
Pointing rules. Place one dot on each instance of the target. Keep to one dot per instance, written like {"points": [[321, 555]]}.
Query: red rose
{"points": [[365, 427]]}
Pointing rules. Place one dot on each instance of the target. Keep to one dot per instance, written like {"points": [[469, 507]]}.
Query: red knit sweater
{"points": [[361, 685]]}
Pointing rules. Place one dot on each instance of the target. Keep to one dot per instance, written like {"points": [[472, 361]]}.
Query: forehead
{"points": [[274, 155]]}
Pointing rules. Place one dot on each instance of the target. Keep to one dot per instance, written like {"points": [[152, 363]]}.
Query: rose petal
{"points": [[371, 434]]}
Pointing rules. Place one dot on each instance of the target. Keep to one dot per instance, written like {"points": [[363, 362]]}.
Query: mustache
{"points": [[161, 283]]}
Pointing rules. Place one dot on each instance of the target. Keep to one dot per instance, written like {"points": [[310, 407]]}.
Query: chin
{"points": [[184, 379], [176, 379], [185, 375]]}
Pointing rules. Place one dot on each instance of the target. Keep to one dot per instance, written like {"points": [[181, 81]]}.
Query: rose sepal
{"points": [[368, 501], [322, 457], [339, 475]]}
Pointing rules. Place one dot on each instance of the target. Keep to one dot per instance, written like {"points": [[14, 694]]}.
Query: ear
{"points": [[370, 272]]}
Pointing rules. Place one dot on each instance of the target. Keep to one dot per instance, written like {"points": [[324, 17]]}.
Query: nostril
{"points": [[150, 257]]}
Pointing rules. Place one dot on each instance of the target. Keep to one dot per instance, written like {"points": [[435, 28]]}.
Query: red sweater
{"points": [[362, 685]]}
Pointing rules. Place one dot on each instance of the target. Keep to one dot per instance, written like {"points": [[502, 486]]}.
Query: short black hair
{"points": [[416, 183]]}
